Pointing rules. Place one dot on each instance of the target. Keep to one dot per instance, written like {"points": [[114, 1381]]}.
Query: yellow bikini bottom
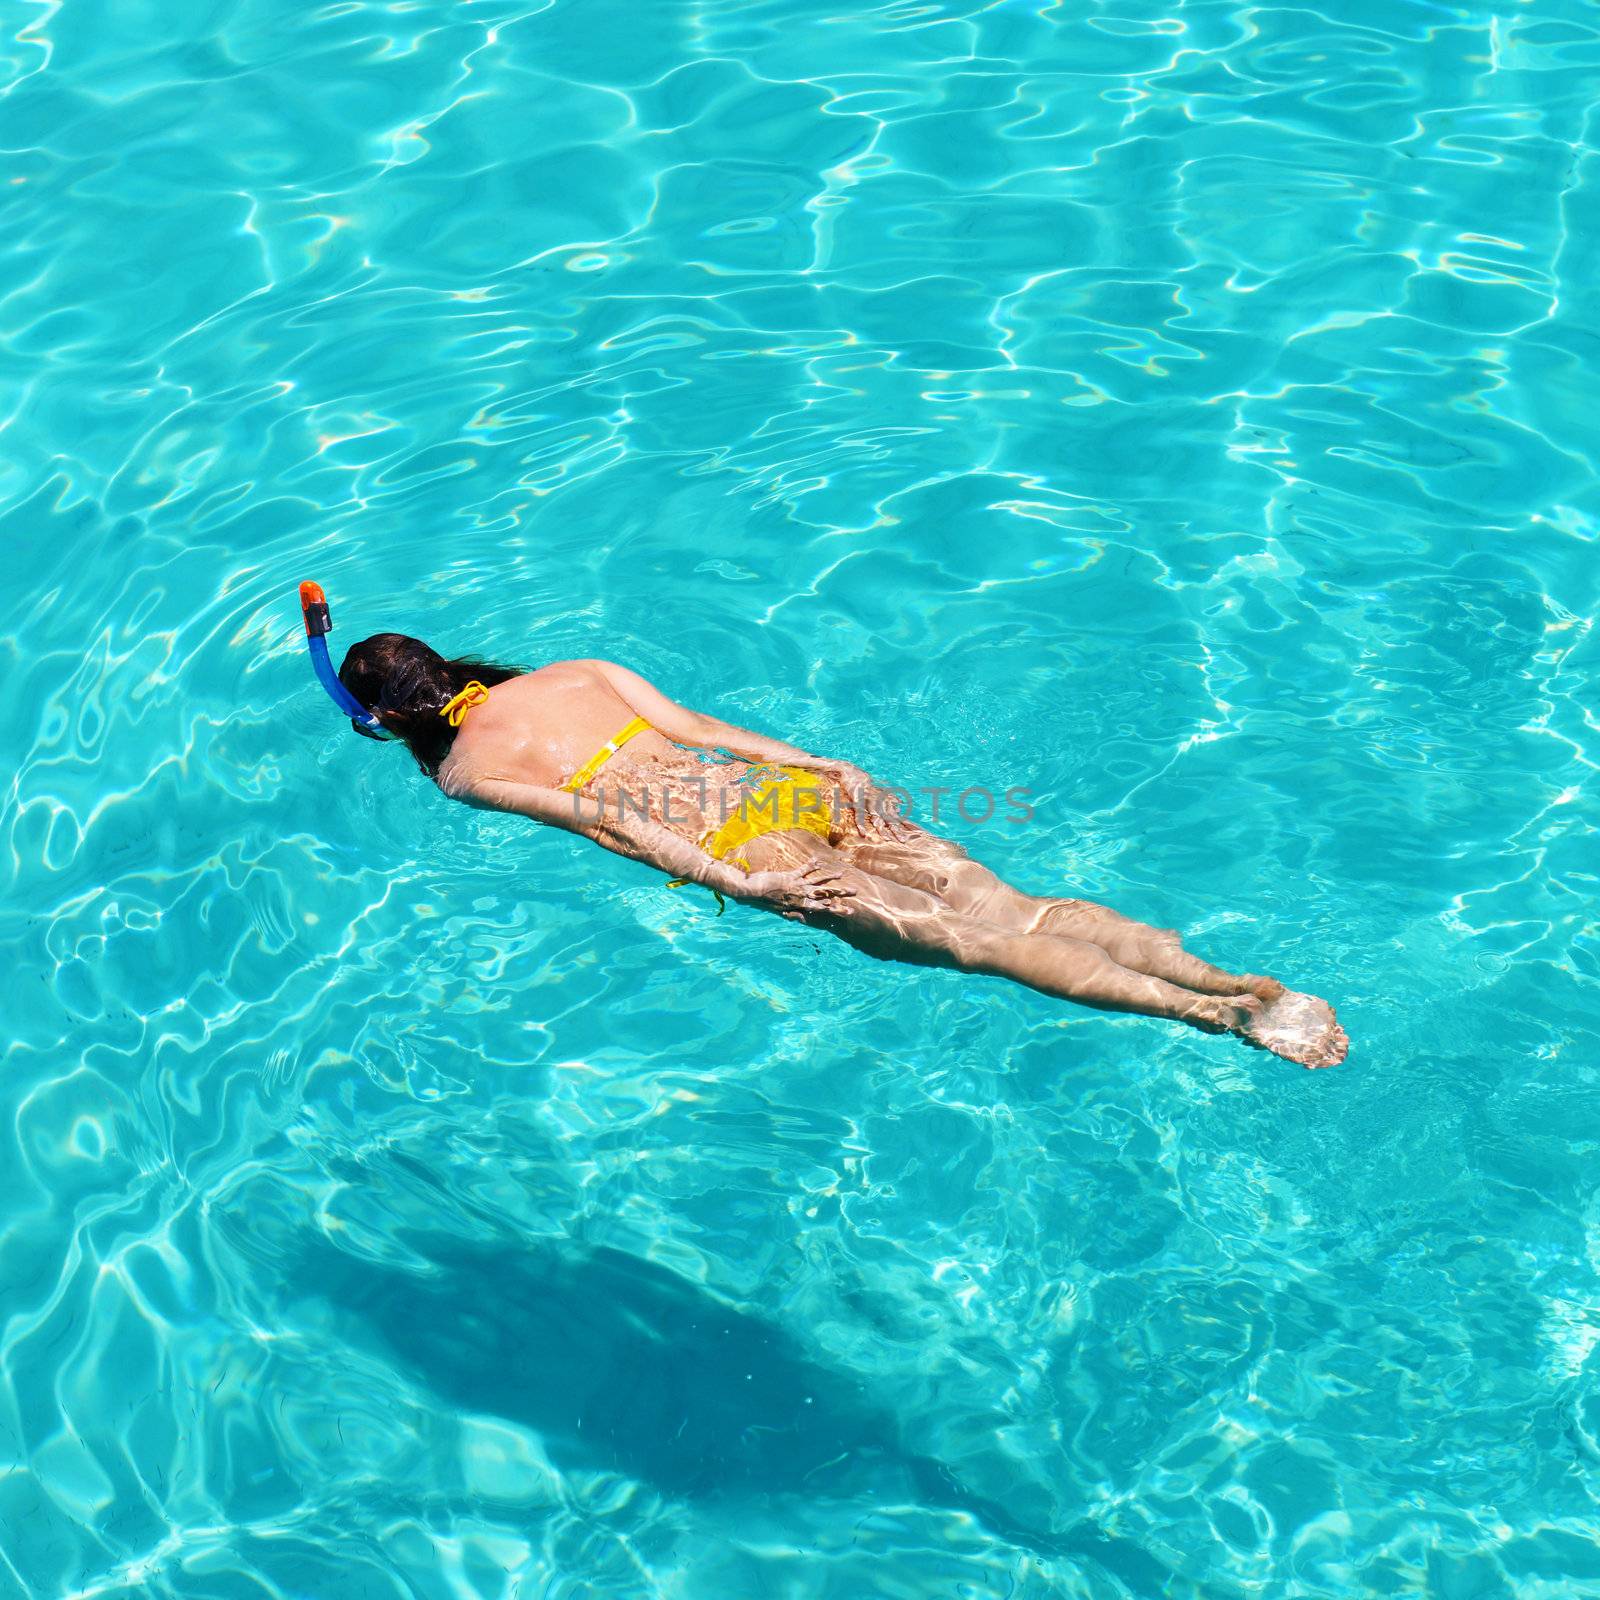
{"points": [[775, 807], [795, 799], [790, 799]]}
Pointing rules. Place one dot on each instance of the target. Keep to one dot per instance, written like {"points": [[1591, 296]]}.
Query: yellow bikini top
{"points": [[455, 710]]}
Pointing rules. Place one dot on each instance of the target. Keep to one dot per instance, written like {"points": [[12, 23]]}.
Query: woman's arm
{"points": [[642, 839], [694, 727], [876, 809]]}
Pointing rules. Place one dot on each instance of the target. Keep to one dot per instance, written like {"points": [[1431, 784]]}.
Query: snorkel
{"points": [[314, 609]]}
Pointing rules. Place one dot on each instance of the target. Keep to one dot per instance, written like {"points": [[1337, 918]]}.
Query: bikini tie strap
{"points": [[604, 754], [455, 709]]}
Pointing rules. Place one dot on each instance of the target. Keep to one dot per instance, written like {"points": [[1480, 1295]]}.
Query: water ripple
{"points": [[1184, 416]]}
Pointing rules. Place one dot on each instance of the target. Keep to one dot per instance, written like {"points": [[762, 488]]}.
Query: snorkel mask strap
{"points": [[314, 611]]}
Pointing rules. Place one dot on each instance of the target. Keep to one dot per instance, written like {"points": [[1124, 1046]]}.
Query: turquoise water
{"points": [[1182, 412]]}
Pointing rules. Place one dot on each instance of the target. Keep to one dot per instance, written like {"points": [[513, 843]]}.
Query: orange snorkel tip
{"points": [[314, 609]]}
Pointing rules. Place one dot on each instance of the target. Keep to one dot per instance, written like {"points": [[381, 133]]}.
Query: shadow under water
{"points": [[620, 1364]]}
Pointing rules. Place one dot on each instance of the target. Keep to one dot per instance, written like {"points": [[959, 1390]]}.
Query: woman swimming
{"points": [[593, 748]]}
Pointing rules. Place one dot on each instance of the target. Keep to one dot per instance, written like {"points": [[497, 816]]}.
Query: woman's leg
{"points": [[894, 921], [1147, 949], [941, 868]]}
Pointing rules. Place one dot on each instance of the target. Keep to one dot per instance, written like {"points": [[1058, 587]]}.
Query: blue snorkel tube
{"points": [[314, 609]]}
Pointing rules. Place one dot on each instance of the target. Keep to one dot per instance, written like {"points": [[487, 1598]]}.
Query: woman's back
{"points": [[538, 728]]}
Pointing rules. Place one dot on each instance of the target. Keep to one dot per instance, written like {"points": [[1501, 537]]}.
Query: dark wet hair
{"points": [[406, 685]]}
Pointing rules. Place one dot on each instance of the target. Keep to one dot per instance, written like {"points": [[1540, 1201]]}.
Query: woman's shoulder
{"points": [[550, 672], [580, 666]]}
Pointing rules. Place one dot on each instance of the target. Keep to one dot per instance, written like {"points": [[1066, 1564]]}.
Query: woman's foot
{"points": [[1224, 1013], [1301, 1028], [1298, 1027]]}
